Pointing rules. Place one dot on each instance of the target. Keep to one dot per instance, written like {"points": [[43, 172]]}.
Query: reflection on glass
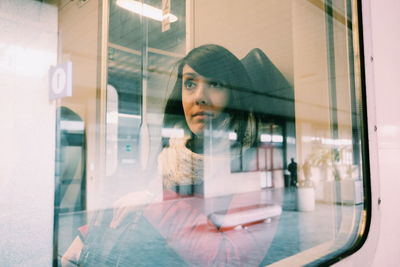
{"points": [[70, 174], [253, 143], [71, 160]]}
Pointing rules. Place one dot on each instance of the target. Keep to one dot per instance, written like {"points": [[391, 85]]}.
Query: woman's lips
{"points": [[202, 115]]}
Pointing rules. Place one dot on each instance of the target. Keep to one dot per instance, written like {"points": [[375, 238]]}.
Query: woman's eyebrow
{"points": [[190, 74]]}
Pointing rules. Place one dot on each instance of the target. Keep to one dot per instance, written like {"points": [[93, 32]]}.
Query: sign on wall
{"points": [[60, 80]]}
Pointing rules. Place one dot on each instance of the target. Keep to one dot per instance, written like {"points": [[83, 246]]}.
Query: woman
{"points": [[209, 102]]}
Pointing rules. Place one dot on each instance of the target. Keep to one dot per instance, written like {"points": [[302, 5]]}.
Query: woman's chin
{"points": [[198, 129]]}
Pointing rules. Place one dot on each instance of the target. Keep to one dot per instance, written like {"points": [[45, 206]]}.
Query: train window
{"points": [[212, 132]]}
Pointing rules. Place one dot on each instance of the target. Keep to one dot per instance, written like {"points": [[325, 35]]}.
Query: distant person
{"points": [[292, 168]]}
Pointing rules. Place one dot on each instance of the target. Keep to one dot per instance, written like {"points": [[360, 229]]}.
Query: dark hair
{"points": [[218, 64]]}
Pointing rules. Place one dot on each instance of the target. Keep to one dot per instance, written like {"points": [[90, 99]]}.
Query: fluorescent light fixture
{"points": [[145, 10]]}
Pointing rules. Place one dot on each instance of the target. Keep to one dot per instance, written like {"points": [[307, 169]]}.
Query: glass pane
{"points": [[217, 132]]}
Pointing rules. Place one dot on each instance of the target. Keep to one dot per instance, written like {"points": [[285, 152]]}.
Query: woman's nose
{"points": [[201, 97]]}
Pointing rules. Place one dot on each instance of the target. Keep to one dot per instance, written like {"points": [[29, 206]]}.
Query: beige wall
{"points": [[313, 107], [310, 76], [241, 25]]}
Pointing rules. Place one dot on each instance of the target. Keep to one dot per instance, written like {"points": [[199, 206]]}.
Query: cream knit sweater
{"points": [[178, 165]]}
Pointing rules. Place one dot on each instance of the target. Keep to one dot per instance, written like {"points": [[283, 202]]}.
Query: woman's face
{"points": [[203, 100]]}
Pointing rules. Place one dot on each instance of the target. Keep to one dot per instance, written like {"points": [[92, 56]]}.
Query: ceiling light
{"points": [[145, 10]]}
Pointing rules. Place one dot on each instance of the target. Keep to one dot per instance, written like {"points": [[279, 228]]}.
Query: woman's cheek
{"points": [[221, 101]]}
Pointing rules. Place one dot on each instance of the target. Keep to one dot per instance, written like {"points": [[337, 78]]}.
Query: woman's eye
{"points": [[215, 84], [189, 84]]}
